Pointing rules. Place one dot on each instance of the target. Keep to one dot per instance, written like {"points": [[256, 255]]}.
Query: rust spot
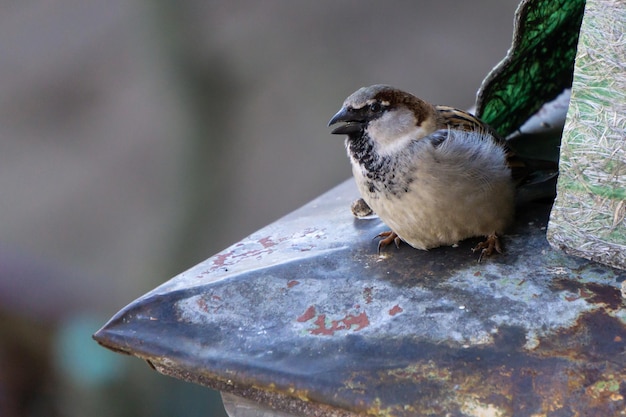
{"points": [[595, 335], [395, 310], [307, 315], [592, 292], [292, 283], [367, 294], [477, 274], [606, 388], [606, 294]]}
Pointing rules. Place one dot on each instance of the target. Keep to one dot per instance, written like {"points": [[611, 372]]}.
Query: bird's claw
{"points": [[386, 239], [488, 247]]}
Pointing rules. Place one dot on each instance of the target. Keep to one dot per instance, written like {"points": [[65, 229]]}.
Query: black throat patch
{"points": [[384, 174]]}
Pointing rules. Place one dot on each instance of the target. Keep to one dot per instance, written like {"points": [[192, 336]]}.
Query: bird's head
{"points": [[387, 116]]}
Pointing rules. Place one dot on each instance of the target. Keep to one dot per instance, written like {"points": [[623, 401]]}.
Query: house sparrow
{"points": [[434, 174]]}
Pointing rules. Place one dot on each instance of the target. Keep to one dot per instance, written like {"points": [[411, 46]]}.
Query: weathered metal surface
{"points": [[306, 317], [236, 406]]}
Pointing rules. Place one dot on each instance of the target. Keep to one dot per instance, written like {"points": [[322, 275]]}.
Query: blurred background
{"points": [[139, 138]]}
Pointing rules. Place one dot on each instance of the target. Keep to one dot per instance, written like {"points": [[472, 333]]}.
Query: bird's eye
{"points": [[375, 107]]}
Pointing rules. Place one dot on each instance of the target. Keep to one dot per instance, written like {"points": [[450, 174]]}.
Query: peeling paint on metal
{"points": [[305, 310]]}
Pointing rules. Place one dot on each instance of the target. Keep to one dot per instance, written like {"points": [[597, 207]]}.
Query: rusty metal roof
{"points": [[305, 316]]}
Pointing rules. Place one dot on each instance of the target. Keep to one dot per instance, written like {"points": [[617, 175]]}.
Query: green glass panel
{"points": [[538, 66]]}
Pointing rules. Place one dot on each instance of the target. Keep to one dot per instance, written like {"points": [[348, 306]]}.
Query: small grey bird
{"points": [[434, 174]]}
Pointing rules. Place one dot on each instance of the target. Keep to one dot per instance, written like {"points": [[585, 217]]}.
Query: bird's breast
{"points": [[437, 195]]}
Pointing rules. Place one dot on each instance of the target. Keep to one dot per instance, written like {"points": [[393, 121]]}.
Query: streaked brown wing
{"points": [[462, 120]]}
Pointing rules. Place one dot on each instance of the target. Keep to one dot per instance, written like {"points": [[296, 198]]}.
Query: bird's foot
{"points": [[488, 247], [386, 239]]}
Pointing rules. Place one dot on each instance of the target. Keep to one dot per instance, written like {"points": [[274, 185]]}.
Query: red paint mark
{"points": [[307, 315], [321, 326], [367, 294], [202, 305], [251, 249], [210, 304], [267, 242], [317, 234], [221, 258], [292, 283], [395, 310], [359, 321]]}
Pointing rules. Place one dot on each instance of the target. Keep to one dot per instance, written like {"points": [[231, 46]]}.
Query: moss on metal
{"points": [[588, 218]]}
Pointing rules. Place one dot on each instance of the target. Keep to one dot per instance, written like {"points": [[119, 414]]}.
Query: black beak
{"points": [[352, 125]]}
